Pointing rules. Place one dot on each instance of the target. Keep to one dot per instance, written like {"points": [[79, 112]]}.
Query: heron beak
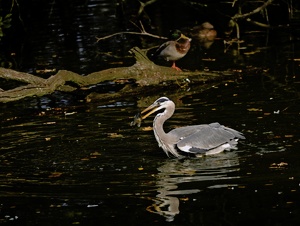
{"points": [[152, 108]]}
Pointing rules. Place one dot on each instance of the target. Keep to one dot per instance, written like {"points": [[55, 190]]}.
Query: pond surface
{"points": [[66, 162], [87, 165]]}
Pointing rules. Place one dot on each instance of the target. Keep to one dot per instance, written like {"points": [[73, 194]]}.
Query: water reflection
{"points": [[177, 178]]}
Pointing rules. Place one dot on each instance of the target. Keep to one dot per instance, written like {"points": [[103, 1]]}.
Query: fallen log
{"points": [[144, 72]]}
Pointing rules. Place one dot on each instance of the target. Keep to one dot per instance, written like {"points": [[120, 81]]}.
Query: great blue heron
{"points": [[202, 139]]}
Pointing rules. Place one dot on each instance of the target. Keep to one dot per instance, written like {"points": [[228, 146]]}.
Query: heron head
{"points": [[160, 103]]}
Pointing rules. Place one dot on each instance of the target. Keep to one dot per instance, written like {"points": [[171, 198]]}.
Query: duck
{"points": [[205, 34], [174, 49]]}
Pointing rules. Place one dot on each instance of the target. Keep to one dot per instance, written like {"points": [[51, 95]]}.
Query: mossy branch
{"points": [[144, 71]]}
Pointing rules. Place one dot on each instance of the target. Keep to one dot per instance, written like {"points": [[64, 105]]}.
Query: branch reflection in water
{"points": [[216, 171]]}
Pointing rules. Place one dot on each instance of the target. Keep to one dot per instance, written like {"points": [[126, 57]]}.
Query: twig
{"points": [[257, 10], [258, 23], [141, 28], [144, 33], [143, 5], [233, 3], [239, 15], [237, 30]]}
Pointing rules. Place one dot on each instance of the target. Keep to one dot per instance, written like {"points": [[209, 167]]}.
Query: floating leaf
{"points": [[49, 123], [288, 135], [148, 128], [55, 174], [70, 113], [278, 165], [254, 109], [115, 135], [95, 153]]}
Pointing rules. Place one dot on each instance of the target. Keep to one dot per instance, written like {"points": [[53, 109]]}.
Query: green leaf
{"points": [[8, 16], [7, 20], [6, 25]]}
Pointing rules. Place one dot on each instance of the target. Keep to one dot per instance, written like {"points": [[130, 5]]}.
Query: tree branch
{"points": [[257, 10], [20, 76]]}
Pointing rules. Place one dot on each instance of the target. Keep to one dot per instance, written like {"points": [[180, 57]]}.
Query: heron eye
{"points": [[162, 99]]}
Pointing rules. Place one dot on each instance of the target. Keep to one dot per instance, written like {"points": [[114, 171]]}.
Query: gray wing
{"points": [[201, 138], [168, 51], [160, 49]]}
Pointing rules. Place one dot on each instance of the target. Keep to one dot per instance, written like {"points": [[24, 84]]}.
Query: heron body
{"points": [[202, 139]]}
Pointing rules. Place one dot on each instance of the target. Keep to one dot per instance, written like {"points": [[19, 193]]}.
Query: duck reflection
{"points": [[190, 172], [205, 34]]}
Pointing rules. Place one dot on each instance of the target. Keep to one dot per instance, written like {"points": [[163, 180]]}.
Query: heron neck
{"points": [[159, 121]]}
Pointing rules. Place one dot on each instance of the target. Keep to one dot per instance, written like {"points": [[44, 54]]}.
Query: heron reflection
{"points": [[205, 139], [177, 180]]}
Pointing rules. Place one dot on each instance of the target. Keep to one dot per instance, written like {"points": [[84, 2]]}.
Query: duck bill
{"points": [[149, 110], [185, 37]]}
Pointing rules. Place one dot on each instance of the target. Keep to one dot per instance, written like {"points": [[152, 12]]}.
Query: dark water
{"points": [[67, 162], [91, 167]]}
